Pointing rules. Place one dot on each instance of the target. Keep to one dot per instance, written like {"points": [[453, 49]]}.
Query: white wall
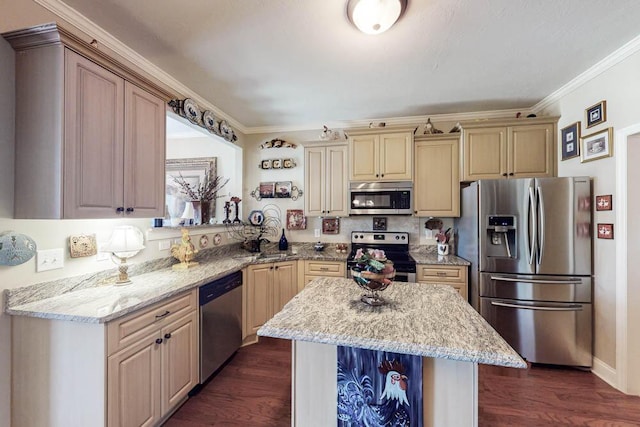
{"points": [[620, 87]]}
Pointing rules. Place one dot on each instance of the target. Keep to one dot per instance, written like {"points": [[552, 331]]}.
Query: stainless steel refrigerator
{"points": [[529, 244]]}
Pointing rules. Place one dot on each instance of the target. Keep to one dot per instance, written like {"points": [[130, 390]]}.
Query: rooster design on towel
{"points": [[358, 404]]}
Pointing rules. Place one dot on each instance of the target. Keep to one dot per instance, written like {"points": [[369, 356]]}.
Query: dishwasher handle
{"points": [[219, 287]]}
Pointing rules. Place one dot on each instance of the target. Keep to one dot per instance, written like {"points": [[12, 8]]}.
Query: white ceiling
{"points": [[300, 63]]}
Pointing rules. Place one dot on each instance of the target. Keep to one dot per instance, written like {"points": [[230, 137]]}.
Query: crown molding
{"points": [[394, 121], [93, 30], [600, 67]]}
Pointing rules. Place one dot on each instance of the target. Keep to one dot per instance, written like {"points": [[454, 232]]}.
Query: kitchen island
{"points": [[430, 321]]}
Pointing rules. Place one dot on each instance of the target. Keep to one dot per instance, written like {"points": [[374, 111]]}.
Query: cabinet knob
{"points": [[129, 210], [167, 336], [504, 174], [382, 175], [120, 209], [376, 175], [276, 267], [271, 268], [159, 341], [510, 173], [415, 212]]}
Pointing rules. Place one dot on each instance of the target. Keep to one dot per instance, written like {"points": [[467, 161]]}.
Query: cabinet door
{"points": [[336, 187], [285, 284], [94, 140], [437, 181], [259, 296], [531, 151], [314, 178], [144, 155], [364, 158], [396, 157], [179, 370], [485, 153], [133, 384]]}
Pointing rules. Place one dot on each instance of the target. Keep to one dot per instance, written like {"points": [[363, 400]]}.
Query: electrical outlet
{"points": [[102, 256], [164, 245], [50, 259], [316, 232]]}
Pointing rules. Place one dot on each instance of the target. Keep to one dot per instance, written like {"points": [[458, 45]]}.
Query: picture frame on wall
{"points": [[605, 231], [604, 203], [596, 114], [597, 145], [330, 225], [570, 137]]}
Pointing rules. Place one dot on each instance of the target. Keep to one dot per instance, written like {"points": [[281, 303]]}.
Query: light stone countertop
{"points": [[419, 319], [91, 299]]}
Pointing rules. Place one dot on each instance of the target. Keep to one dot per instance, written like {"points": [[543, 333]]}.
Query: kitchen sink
{"points": [[271, 256]]}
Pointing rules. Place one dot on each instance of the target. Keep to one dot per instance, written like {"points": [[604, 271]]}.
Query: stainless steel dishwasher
{"points": [[220, 322]]}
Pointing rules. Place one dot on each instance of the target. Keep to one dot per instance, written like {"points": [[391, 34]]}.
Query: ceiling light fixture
{"points": [[375, 16]]}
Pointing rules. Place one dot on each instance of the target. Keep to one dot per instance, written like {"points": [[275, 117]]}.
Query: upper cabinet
{"points": [[326, 187], [381, 155], [437, 177], [90, 136], [517, 148]]}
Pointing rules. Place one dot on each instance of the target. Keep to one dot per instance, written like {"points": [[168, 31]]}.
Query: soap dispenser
{"points": [[283, 244]]}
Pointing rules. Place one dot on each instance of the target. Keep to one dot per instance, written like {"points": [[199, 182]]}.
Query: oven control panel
{"points": [[380, 237]]}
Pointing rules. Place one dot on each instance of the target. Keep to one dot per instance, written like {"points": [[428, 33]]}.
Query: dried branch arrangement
{"points": [[207, 190]]}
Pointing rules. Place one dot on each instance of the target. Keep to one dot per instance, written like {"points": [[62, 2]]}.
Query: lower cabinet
{"points": [[267, 289], [314, 269], [452, 275], [133, 371], [149, 377]]}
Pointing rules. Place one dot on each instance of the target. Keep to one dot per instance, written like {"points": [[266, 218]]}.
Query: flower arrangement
{"points": [[206, 191]]}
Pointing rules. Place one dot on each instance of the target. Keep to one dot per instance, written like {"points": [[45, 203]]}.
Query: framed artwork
{"points": [[596, 114], [330, 225], [570, 137], [265, 164], [267, 190], [379, 223], [288, 163], [597, 145], [283, 189], [605, 231], [296, 219], [276, 164], [193, 172], [604, 203]]}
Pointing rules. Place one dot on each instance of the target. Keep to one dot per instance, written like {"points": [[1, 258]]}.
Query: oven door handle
{"points": [[572, 307], [537, 281]]}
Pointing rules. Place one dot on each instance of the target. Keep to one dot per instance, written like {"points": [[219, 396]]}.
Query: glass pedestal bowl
{"points": [[373, 284]]}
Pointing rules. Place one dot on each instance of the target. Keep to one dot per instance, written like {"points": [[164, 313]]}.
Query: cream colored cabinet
{"points": [[97, 149], [452, 275], [132, 371], [267, 289], [325, 176], [381, 155], [509, 149], [314, 269], [437, 175], [158, 365]]}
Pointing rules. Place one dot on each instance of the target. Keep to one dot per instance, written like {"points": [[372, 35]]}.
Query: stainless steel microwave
{"points": [[380, 198]]}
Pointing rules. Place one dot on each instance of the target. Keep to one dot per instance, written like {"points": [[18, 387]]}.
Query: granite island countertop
{"points": [[418, 319]]}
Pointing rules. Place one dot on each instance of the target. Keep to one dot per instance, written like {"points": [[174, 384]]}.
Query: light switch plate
{"points": [[50, 259]]}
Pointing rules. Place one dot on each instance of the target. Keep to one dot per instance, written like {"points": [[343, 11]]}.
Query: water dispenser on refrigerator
{"points": [[502, 234]]}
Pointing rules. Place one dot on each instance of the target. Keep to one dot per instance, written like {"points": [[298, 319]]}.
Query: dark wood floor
{"points": [[254, 390]]}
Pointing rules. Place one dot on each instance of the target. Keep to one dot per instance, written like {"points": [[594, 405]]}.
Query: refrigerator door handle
{"points": [[572, 307], [541, 219], [538, 281], [532, 226]]}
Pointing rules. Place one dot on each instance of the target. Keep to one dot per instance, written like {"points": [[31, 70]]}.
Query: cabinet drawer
{"points": [[129, 329], [442, 274], [324, 268]]}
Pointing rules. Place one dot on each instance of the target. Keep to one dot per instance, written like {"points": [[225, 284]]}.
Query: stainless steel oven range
{"points": [[396, 247]]}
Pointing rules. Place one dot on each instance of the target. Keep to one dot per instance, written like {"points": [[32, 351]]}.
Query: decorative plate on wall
{"points": [[191, 110], [210, 122], [16, 248]]}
